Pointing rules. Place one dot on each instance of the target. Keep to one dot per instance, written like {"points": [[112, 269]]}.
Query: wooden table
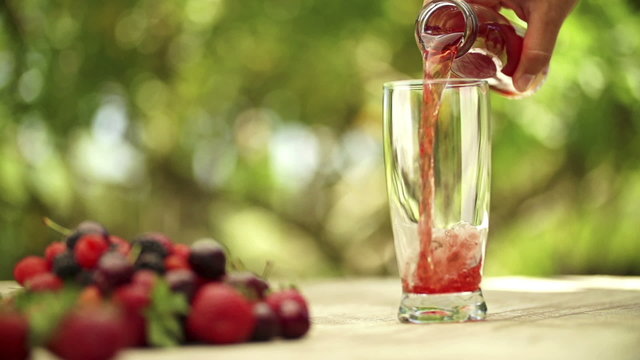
{"points": [[564, 318]]}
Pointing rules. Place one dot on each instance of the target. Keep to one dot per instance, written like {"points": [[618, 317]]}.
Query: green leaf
{"points": [[45, 310], [163, 316]]}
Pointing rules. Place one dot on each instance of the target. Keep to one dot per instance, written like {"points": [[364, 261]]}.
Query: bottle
{"points": [[486, 44]]}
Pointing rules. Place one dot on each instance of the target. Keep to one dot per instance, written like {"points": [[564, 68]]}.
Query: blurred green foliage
{"points": [[259, 123]]}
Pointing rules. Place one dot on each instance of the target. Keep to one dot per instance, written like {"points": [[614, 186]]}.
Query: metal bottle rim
{"points": [[470, 19]]}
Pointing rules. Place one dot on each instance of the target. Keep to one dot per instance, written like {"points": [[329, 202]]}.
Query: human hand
{"points": [[544, 19]]}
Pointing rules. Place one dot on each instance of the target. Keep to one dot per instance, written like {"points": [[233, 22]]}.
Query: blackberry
{"points": [[113, 270], [249, 283], [182, 281], [150, 261], [84, 228], [153, 243], [267, 323], [207, 258], [66, 266], [85, 278]]}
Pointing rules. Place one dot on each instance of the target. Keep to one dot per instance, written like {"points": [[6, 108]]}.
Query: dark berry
{"points": [[248, 283], [182, 281], [85, 228], [66, 266], [113, 270], [29, 267], [154, 243], [14, 336], [53, 250], [89, 250], [85, 278], [44, 282], [294, 319], [276, 299], [267, 324], [150, 261], [207, 259]]}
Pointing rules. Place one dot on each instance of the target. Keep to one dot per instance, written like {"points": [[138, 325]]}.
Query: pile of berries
{"points": [[95, 294]]}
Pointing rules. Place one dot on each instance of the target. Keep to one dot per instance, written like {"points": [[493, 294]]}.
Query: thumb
{"points": [[539, 41]]}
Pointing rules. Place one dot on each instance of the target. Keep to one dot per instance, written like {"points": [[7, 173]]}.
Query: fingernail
{"points": [[524, 82]]}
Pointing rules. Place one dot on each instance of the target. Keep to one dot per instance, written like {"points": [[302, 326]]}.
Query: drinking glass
{"points": [[439, 230]]}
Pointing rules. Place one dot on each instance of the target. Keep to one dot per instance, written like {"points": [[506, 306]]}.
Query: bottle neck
{"points": [[470, 19]]}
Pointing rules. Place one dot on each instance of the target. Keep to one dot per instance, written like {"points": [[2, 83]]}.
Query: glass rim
{"points": [[417, 84]]}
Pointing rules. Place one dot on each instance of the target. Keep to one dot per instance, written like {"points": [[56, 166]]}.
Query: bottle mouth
{"points": [[470, 21]]}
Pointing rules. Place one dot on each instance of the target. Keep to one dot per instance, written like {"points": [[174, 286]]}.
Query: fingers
{"points": [[539, 42], [544, 22]]}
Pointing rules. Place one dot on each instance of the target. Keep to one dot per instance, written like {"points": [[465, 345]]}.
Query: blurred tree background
{"points": [[259, 123]]}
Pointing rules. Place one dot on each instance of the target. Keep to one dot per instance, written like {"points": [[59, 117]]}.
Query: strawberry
{"points": [[220, 315], [44, 282], [175, 262], [181, 250], [134, 299], [86, 228], [89, 333], [89, 249], [53, 250], [145, 278], [121, 245], [29, 267], [89, 296], [14, 336]]}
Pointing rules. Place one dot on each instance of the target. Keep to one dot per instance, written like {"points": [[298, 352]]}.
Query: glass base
{"points": [[435, 308]]}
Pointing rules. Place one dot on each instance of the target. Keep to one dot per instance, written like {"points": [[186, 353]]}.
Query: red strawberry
{"points": [[220, 315], [89, 333], [181, 250], [53, 250], [175, 262], [145, 278], [89, 296], [122, 246], [14, 336], [134, 299], [44, 282], [89, 249], [29, 267]]}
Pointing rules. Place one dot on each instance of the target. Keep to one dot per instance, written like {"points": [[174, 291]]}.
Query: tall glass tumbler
{"points": [[439, 203]]}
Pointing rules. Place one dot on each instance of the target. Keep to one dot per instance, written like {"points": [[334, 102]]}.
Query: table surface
{"points": [[529, 318]]}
